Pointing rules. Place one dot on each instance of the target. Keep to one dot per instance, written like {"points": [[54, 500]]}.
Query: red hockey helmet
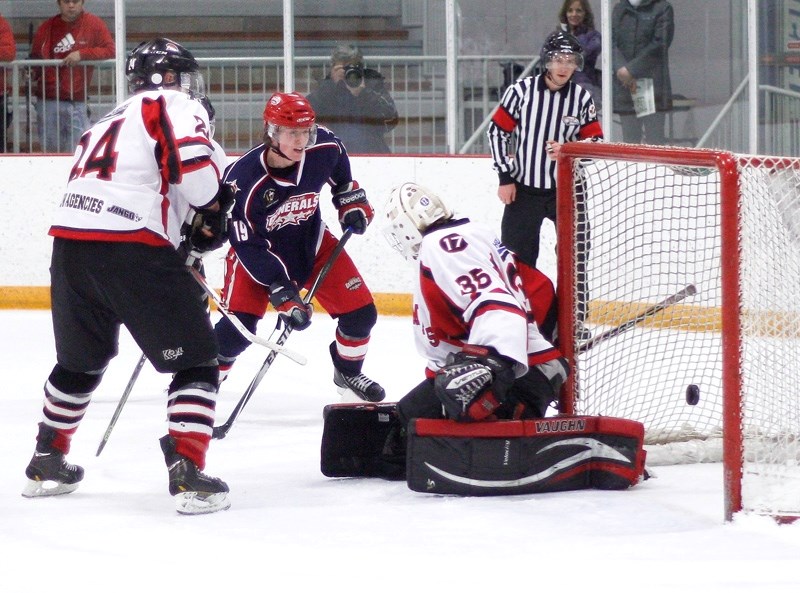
{"points": [[289, 110]]}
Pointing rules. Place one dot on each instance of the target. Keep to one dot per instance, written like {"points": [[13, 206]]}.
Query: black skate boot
{"points": [[48, 472], [361, 385], [195, 493]]}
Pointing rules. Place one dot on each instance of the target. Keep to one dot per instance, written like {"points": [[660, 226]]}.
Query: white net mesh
{"points": [[654, 230]]}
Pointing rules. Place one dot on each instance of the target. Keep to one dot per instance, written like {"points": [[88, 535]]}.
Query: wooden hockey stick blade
{"points": [[246, 333], [685, 292], [121, 404]]}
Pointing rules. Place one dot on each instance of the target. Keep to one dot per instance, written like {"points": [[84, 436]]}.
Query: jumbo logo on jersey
{"points": [[294, 210]]}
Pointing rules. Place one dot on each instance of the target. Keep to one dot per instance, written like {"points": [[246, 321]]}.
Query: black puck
{"points": [[692, 395]]}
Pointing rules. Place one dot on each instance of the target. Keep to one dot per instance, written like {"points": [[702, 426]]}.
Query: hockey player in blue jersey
{"points": [[279, 241]]}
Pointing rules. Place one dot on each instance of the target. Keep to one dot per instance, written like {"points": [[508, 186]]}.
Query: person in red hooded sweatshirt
{"points": [[72, 36], [8, 51]]}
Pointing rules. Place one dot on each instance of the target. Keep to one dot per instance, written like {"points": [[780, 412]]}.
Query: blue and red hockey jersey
{"points": [[276, 221]]}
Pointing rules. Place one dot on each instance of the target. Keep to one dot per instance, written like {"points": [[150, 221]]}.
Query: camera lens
{"points": [[353, 75]]}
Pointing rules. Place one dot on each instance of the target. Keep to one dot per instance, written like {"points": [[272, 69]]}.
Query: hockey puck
{"points": [[692, 395]]}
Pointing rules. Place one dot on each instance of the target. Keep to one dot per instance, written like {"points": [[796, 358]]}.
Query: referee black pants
{"points": [[523, 218], [521, 227]]}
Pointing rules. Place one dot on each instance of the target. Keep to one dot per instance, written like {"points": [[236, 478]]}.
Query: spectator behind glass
{"points": [[577, 19], [642, 31], [71, 36], [8, 52], [354, 103]]}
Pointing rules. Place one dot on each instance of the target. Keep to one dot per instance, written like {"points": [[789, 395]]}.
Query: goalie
{"points": [[483, 320]]}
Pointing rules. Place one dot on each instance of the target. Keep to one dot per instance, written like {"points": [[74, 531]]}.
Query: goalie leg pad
{"points": [[524, 457], [354, 438]]}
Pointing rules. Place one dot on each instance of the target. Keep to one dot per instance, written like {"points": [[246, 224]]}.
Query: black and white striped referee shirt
{"points": [[535, 114]]}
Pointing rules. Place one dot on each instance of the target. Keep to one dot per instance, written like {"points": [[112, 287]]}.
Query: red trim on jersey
{"points": [[498, 306], [145, 236], [446, 317], [159, 127], [504, 120], [164, 212], [195, 164], [198, 162], [543, 356], [539, 289], [591, 130]]}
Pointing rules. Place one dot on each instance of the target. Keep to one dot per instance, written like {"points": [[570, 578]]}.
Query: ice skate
{"points": [[360, 385], [195, 493], [49, 474]]}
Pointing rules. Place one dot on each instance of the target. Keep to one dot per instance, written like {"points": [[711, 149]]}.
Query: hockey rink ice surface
{"points": [[292, 529]]}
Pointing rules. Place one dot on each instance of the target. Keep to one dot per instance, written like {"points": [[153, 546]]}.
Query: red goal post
{"points": [[685, 266]]}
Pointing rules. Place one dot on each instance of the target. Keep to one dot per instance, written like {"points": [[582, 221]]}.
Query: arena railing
{"points": [[239, 87]]}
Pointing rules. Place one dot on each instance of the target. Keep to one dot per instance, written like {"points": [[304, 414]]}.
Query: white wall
{"points": [[33, 185]]}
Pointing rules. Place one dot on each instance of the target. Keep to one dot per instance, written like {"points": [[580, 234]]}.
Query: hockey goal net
{"points": [[685, 266]]}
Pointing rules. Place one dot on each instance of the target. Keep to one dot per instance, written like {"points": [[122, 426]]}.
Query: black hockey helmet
{"points": [[561, 43], [163, 63]]}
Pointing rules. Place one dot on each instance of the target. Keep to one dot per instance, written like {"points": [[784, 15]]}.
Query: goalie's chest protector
{"points": [[521, 457]]}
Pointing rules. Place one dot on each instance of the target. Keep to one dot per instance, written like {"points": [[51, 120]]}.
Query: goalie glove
{"points": [[354, 210], [287, 302], [210, 229], [473, 383]]}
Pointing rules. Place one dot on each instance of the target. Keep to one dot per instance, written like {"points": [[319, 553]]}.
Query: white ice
{"points": [[292, 529]]}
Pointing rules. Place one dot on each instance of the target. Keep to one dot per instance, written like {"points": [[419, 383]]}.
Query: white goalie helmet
{"points": [[410, 211]]}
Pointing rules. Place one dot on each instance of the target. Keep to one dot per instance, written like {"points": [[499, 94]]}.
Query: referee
{"points": [[540, 113]]}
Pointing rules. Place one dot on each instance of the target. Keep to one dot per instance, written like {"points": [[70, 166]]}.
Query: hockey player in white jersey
{"points": [[137, 174], [479, 317]]}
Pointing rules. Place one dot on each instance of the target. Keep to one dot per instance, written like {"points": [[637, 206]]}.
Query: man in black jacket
{"points": [[353, 102]]}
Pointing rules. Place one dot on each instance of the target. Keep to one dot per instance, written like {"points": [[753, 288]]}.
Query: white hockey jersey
{"points": [[471, 290], [138, 171]]}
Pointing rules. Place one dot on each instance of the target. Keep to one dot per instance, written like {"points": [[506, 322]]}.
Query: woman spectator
{"points": [[577, 19]]}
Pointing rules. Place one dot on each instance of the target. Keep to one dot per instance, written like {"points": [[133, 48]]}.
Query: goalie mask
{"points": [[410, 211], [164, 64], [289, 113]]}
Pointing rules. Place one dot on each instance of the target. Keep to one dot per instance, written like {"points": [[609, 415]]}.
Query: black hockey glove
{"points": [[210, 229], [473, 383], [354, 209], [287, 302]]}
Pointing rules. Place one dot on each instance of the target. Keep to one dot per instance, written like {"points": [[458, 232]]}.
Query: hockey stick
{"points": [[688, 291], [123, 399], [221, 431], [276, 347]]}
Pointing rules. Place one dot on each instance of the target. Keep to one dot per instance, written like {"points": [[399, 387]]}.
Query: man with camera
{"points": [[353, 102]]}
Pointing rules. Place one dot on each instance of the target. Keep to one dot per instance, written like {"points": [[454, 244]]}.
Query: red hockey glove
{"points": [[354, 209], [287, 302]]}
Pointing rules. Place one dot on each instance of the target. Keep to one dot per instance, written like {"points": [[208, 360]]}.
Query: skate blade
{"points": [[195, 503], [348, 396], [37, 488]]}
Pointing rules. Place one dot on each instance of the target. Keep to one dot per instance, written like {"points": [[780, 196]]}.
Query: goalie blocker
{"points": [[484, 458]]}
